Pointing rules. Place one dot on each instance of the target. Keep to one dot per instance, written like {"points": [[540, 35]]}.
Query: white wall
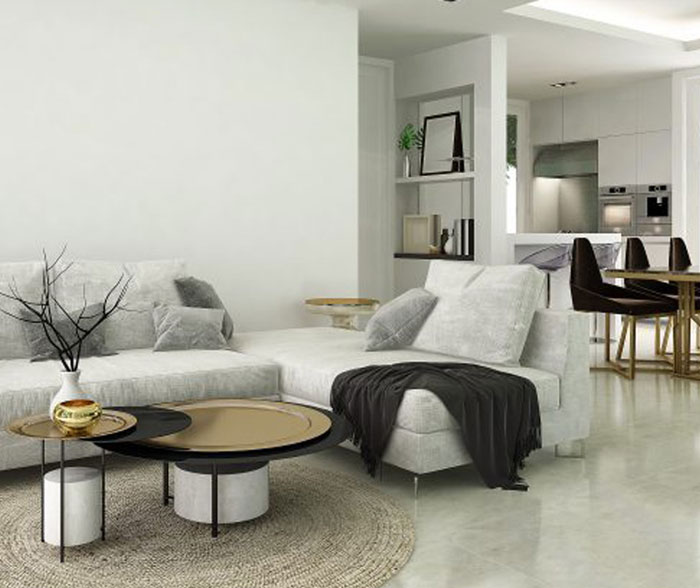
{"points": [[220, 131], [376, 178]]}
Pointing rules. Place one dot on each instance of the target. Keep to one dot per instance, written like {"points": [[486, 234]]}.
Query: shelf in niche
{"points": [[438, 178], [433, 256]]}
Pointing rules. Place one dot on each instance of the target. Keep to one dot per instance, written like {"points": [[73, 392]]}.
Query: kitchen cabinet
{"points": [[581, 118], [654, 158], [617, 160], [618, 111], [546, 121], [654, 105]]}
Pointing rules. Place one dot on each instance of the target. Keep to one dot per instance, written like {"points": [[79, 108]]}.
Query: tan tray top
{"points": [[342, 301], [226, 425], [40, 426]]}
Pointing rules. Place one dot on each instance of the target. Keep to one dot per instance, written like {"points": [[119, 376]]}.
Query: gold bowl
{"points": [[77, 418]]}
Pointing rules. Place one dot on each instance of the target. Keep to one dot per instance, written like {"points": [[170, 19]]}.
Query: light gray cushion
{"points": [[201, 294], [42, 350], [396, 324], [487, 318], [26, 277], [182, 327], [152, 282]]}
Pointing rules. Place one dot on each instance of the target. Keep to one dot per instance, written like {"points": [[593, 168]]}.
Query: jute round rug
{"points": [[323, 530]]}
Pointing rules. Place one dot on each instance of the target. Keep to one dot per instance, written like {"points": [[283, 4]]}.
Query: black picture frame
{"points": [[454, 157]]}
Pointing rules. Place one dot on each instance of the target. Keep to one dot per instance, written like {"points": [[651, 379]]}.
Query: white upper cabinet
{"points": [[581, 117], [546, 121], [618, 111], [654, 158], [654, 105], [617, 160]]}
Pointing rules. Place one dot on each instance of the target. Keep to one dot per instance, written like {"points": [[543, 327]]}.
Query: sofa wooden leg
{"points": [[571, 449]]}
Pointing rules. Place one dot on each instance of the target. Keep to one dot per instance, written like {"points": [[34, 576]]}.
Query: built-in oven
{"points": [[616, 210], [653, 209]]}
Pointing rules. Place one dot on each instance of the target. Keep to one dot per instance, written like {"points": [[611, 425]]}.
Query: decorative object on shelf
{"points": [[77, 418], [66, 332], [420, 232], [463, 236], [343, 311], [444, 238], [410, 138], [442, 151], [450, 244]]}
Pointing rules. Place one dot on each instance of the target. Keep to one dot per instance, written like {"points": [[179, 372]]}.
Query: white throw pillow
{"points": [[488, 319]]}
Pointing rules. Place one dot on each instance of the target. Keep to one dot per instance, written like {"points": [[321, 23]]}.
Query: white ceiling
{"points": [[540, 51]]}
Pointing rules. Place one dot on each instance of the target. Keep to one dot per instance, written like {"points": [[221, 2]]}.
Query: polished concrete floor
{"points": [[626, 516]]}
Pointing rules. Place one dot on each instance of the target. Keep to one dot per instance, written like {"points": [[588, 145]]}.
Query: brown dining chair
{"points": [[679, 259], [590, 293]]}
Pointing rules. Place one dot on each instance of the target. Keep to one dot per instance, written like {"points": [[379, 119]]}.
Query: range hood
{"points": [[567, 160]]}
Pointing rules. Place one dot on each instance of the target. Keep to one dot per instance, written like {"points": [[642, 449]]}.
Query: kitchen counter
{"points": [[526, 239]]}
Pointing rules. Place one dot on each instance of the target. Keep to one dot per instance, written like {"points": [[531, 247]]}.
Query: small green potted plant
{"points": [[410, 138]]}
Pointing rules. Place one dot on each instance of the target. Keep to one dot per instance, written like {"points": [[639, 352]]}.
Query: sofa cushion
{"points": [[484, 316], [310, 359], [397, 323], [26, 277], [183, 327], [138, 377], [152, 282]]}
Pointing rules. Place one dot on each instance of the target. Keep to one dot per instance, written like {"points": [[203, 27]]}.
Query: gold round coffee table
{"points": [[343, 311]]}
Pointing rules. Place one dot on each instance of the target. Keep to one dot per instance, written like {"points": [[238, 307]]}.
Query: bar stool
{"points": [[679, 259], [636, 258], [590, 293]]}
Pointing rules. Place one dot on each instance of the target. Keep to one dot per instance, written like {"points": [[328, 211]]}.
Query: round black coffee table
{"points": [[235, 465]]}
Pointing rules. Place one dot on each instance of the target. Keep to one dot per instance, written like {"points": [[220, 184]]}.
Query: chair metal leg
{"points": [[667, 333], [633, 347], [607, 337], [623, 338], [415, 487], [657, 335]]}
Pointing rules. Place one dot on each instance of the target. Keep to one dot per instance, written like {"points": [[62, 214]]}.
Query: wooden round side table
{"points": [[343, 311]]}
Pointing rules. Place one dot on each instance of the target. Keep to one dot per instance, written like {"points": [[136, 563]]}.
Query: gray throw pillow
{"points": [[397, 323], [201, 294], [181, 327], [42, 350]]}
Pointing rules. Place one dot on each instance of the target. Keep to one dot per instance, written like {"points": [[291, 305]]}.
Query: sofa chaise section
{"points": [[426, 438]]}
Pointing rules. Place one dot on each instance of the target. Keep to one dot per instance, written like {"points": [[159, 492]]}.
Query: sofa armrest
{"points": [[558, 342]]}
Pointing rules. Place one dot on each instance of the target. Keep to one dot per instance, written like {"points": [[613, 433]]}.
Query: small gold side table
{"points": [[41, 427], [343, 311]]}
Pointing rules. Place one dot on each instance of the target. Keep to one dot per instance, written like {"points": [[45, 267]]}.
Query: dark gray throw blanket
{"points": [[498, 413]]}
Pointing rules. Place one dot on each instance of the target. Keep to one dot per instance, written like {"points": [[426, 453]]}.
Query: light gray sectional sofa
{"points": [[487, 313], [484, 315]]}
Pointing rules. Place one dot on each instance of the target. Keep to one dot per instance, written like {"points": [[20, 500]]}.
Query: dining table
{"points": [[686, 281]]}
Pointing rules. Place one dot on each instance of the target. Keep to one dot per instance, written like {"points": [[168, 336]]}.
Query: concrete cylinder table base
{"points": [[243, 492], [82, 506]]}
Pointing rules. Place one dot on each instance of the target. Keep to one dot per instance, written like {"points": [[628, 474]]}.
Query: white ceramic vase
{"points": [[70, 390], [406, 166]]}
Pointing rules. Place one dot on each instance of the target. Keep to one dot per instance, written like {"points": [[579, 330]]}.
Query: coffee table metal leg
{"points": [[43, 467], [62, 546], [166, 484], [214, 501], [103, 494]]}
